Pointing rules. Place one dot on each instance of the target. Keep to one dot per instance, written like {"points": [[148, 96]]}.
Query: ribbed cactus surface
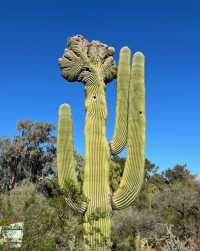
{"points": [[92, 63]]}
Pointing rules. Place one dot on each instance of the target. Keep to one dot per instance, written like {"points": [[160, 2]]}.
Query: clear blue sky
{"points": [[33, 35]]}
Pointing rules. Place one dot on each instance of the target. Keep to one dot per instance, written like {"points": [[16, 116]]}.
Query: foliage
{"points": [[29, 155], [46, 216], [178, 173], [49, 224], [173, 243]]}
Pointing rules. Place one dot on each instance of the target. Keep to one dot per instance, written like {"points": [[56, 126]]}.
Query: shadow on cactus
{"points": [[92, 64]]}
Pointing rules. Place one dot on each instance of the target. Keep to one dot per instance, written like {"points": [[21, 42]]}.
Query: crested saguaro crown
{"points": [[92, 63], [85, 61]]}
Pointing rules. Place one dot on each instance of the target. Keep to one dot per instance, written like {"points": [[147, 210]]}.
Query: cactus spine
{"points": [[92, 63]]}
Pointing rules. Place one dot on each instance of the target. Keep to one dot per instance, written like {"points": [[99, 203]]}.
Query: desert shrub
{"points": [[48, 223]]}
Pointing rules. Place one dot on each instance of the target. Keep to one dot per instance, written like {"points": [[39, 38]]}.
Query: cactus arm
{"points": [[65, 157], [132, 178], [119, 139], [76, 206]]}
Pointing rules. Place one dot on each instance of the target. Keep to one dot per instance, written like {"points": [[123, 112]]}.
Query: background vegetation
{"points": [[166, 215]]}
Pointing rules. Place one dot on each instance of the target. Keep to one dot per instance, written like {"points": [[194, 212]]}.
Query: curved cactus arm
{"points": [[119, 139], [65, 158], [79, 207], [134, 167]]}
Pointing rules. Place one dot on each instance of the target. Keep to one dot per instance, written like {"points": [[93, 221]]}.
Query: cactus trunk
{"points": [[96, 172]]}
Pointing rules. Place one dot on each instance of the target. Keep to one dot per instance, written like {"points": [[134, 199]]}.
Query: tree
{"points": [[179, 173], [29, 155]]}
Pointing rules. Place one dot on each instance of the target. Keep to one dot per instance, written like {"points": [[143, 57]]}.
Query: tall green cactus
{"points": [[92, 63]]}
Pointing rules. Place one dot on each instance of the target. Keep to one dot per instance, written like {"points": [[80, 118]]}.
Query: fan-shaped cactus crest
{"points": [[92, 64]]}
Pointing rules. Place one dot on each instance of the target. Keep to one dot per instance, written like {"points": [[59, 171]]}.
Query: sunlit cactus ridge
{"points": [[92, 63]]}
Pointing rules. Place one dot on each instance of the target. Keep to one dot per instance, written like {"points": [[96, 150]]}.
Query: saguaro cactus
{"points": [[92, 64]]}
